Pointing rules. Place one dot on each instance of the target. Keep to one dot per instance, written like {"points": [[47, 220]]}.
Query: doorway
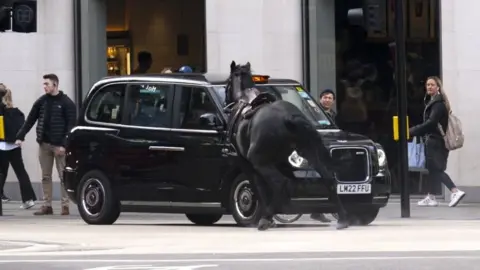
{"points": [[172, 32], [364, 68]]}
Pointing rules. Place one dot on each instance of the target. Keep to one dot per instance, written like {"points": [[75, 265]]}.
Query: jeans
{"points": [[14, 157]]}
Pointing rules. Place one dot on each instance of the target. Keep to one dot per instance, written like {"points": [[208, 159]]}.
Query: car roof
{"points": [[200, 78]]}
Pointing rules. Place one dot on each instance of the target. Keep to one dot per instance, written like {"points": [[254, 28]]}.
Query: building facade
{"points": [[283, 38]]}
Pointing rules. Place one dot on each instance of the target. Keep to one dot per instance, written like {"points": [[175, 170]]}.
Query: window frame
{"points": [[170, 102], [100, 91], [179, 88]]}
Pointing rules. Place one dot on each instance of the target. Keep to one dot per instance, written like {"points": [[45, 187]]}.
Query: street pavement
{"points": [[433, 238], [284, 261]]}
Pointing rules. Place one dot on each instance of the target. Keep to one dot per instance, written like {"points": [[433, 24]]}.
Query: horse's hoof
{"points": [[320, 217], [273, 224], [342, 225], [264, 224]]}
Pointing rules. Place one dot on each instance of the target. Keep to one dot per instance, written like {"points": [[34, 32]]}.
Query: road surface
{"points": [[284, 261], [437, 238]]}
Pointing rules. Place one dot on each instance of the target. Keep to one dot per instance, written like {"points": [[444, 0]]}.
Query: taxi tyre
{"points": [[238, 184], [362, 217], [204, 219], [110, 206], [287, 219]]}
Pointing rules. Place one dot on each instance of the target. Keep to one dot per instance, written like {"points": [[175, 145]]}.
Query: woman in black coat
{"points": [[435, 116], [10, 153]]}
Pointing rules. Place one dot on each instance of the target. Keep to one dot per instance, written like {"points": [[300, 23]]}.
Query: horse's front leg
{"points": [[275, 182]]}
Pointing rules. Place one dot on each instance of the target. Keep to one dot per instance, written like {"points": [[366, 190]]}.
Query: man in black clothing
{"points": [[145, 60], [56, 115], [327, 100]]}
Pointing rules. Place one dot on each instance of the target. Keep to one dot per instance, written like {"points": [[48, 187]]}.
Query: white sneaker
{"points": [[455, 198], [428, 201], [27, 205]]}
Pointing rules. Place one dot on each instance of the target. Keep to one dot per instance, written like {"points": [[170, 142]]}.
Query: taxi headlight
{"points": [[382, 157], [297, 161]]}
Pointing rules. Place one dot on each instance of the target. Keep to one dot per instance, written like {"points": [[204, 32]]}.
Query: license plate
{"points": [[354, 188]]}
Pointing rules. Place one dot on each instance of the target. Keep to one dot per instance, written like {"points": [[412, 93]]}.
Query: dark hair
{"points": [[144, 56], [52, 77], [327, 91]]}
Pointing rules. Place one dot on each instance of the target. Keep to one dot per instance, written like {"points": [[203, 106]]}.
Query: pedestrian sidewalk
{"points": [[391, 211], [12, 208]]}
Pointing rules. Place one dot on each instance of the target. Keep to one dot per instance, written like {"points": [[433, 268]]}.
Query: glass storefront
{"points": [[119, 57], [356, 62], [110, 35]]}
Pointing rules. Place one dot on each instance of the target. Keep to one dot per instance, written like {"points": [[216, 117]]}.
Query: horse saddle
{"points": [[247, 110], [257, 103]]}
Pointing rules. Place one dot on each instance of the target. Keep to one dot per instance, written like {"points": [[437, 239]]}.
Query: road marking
{"points": [[151, 267], [229, 260]]}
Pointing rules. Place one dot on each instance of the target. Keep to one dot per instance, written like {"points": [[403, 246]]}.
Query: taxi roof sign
{"points": [[260, 78]]}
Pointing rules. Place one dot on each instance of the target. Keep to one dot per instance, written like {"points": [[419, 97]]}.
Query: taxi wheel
{"points": [[204, 219], [363, 217], [97, 204], [243, 202], [287, 219]]}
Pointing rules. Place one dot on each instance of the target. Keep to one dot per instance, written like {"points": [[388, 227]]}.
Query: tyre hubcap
{"points": [[245, 201], [93, 197]]}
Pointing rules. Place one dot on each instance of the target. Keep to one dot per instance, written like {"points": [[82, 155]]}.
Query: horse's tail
{"points": [[309, 144]]}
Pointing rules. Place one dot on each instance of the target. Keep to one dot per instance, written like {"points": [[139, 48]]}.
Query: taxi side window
{"points": [[107, 104], [195, 102], [149, 105]]}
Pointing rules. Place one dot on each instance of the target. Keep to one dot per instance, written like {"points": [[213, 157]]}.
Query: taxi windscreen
{"points": [[293, 94]]}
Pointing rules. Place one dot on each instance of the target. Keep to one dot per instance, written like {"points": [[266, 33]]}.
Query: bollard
{"points": [[1, 207]]}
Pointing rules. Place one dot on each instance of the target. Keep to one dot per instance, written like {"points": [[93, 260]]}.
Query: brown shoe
{"points": [[44, 210], [65, 211]]}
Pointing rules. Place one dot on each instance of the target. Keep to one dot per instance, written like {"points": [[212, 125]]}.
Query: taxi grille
{"points": [[354, 164]]}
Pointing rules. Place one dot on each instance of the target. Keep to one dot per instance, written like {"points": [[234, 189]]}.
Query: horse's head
{"points": [[239, 80]]}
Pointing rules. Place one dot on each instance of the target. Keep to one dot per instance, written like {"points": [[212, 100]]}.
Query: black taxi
{"points": [[157, 144]]}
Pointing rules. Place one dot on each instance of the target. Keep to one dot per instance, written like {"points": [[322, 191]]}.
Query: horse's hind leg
{"points": [[331, 183], [342, 222]]}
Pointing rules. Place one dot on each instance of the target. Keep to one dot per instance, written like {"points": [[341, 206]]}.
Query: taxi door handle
{"points": [[167, 148]]}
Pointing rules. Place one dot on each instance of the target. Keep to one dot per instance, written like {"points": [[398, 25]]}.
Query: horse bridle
{"points": [[228, 107]]}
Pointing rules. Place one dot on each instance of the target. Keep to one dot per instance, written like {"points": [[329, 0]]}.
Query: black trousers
{"points": [[436, 157], [442, 176], [14, 157]]}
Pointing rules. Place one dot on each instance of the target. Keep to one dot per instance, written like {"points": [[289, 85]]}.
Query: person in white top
{"points": [[10, 153]]}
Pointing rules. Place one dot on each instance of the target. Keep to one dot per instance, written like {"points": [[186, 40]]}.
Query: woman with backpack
{"points": [[435, 116], [10, 153]]}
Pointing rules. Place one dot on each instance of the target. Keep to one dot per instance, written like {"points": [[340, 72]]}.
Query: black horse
{"points": [[265, 132]]}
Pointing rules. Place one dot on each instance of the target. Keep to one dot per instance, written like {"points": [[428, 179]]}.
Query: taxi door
{"points": [[145, 153], [200, 167]]}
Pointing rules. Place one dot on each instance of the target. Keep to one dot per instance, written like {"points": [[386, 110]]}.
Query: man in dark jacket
{"points": [[55, 114], [327, 100]]}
